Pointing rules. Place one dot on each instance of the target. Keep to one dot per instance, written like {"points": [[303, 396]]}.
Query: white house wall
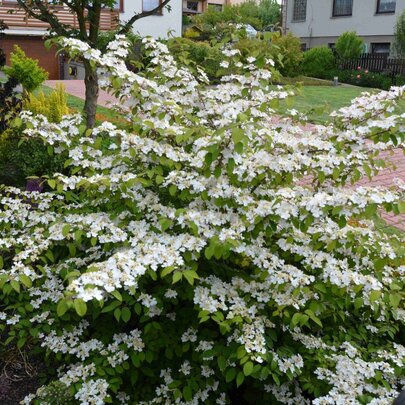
{"points": [[157, 26], [320, 27]]}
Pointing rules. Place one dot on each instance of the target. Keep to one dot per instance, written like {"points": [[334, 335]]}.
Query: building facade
{"points": [[321, 22], [191, 7], [30, 34], [160, 25]]}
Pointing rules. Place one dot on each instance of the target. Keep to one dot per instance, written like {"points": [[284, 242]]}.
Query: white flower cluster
{"points": [[205, 210]]}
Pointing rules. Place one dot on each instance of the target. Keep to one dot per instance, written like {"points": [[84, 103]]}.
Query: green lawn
{"points": [[319, 101]]}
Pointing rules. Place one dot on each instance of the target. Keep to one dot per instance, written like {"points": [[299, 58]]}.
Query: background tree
{"points": [[399, 36], [88, 14], [262, 15], [349, 45]]}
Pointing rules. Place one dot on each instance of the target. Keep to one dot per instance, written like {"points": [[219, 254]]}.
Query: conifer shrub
{"points": [[53, 106]]}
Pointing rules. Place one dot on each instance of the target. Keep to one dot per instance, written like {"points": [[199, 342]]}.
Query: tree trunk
{"points": [[90, 105]]}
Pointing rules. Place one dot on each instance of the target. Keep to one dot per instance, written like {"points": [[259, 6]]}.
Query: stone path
{"points": [[385, 178], [76, 88]]}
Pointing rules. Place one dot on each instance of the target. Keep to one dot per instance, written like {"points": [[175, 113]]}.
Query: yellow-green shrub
{"points": [[54, 106], [25, 70]]}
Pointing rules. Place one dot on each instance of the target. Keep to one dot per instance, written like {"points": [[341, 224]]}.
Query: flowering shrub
{"points": [[364, 78], [184, 261]]}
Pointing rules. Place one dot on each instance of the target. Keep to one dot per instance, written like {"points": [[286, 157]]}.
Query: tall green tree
{"points": [[399, 36], [88, 15], [349, 45]]}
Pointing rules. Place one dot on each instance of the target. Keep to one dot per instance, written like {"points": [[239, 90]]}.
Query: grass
{"points": [[304, 81], [318, 101]]}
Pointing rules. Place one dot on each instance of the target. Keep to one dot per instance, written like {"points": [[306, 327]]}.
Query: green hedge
{"points": [[364, 78], [21, 158]]}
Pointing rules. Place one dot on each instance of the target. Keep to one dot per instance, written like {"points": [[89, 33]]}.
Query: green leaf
{"points": [[165, 224], [111, 307], [125, 314], [25, 280], [117, 314], [52, 183], [248, 368], [159, 179], [320, 287], [15, 285], [80, 307], [166, 271], [375, 295], [177, 276], [239, 148], [190, 276], [78, 235], [221, 363], [65, 230], [117, 295], [240, 378], [295, 319], [62, 307], [313, 317], [187, 393], [395, 299], [172, 190], [401, 207], [238, 135], [209, 252], [230, 375]]}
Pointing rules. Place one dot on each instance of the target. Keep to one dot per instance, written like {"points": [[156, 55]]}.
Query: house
{"points": [[30, 34], [191, 7], [159, 25], [321, 22]]}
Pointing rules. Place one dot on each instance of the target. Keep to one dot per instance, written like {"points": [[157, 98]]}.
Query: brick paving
{"points": [[76, 88], [385, 178]]}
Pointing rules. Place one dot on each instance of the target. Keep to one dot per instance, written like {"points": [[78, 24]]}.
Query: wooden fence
{"points": [[374, 62]]}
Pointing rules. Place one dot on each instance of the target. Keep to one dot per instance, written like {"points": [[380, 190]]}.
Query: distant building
{"points": [[159, 25], [321, 22], [191, 7], [30, 34]]}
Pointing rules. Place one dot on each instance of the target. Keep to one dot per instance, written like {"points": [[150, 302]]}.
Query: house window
{"points": [[149, 5], [299, 10], [192, 5], [342, 8], [380, 47], [119, 5], [386, 6]]}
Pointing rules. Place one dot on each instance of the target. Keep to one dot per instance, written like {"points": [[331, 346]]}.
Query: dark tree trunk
{"points": [[90, 105]]}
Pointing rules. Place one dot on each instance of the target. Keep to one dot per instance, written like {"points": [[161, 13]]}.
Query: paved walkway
{"points": [[385, 178], [76, 88]]}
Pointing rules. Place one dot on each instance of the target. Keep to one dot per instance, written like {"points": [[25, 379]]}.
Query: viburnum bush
{"points": [[209, 253]]}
